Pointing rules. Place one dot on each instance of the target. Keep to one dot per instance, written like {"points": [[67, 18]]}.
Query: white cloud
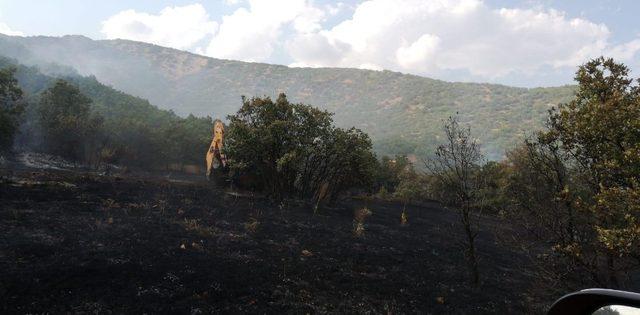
{"points": [[334, 9], [232, 2], [626, 51], [252, 34], [370, 66], [5, 29], [434, 37], [448, 39], [418, 53], [177, 27], [308, 20]]}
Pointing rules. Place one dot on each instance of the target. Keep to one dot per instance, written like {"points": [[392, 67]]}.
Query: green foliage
{"points": [[600, 131], [412, 187], [68, 127], [10, 109], [541, 191], [113, 127], [492, 178], [618, 210], [390, 172], [601, 126], [575, 185], [396, 178], [294, 150], [142, 135], [455, 168], [347, 161]]}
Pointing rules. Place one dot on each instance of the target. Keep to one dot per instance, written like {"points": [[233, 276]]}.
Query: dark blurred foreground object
{"points": [[597, 301]]}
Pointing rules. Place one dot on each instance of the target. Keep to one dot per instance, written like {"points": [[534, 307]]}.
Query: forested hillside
{"points": [[129, 130], [402, 113]]}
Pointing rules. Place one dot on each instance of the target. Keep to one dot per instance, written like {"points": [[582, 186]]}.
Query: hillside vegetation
{"points": [[124, 129], [402, 113], [84, 121]]}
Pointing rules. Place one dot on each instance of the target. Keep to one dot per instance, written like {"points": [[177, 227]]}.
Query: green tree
{"points": [[391, 171], [600, 131], [68, 126], [575, 185], [455, 166], [10, 108], [294, 151], [270, 140], [346, 161], [493, 182], [411, 187], [539, 199]]}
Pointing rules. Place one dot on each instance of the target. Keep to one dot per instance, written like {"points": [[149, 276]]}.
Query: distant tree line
{"points": [[85, 121]]}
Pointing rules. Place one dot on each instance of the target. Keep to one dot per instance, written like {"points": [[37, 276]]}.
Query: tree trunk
{"points": [[472, 260]]}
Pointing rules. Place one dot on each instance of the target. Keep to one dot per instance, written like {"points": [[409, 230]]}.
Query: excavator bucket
{"points": [[215, 158]]}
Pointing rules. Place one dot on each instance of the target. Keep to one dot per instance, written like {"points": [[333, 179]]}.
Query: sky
{"points": [[522, 43]]}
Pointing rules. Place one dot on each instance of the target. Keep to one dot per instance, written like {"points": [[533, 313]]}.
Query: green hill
{"points": [[402, 113]]}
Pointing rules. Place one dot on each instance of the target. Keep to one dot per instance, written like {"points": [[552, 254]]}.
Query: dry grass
{"points": [[359, 216], [15, 213], [162, 205], [195, 226], [252, 225], [110, 204]]}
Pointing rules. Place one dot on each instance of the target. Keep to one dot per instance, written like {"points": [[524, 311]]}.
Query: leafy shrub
{"points": [[294, 151], [10, 109], [68, 127]]}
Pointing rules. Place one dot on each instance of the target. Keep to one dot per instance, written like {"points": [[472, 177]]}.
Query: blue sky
{"points": [[523, 43]]}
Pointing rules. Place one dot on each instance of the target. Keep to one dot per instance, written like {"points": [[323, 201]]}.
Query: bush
{"points": [[68, 127], [10, 108], [574, 187], [391, 171], [294, 151]]}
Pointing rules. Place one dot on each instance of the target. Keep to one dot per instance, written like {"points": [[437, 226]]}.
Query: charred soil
{"points": [[79, 242]]}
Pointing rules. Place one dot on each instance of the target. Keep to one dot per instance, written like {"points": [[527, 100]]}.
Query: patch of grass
{"points": [[194, 225], [162, 205], [359, 216], [110, 203], [15, 213], [252, 225], [404, 219]]}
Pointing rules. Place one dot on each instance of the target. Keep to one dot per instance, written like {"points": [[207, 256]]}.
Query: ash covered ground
{"points": [[76, 241]]}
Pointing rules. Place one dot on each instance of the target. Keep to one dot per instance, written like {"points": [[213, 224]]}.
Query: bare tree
{"points": [[454, 167]]}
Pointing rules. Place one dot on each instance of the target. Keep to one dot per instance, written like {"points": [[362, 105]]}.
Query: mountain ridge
{"points": [[129, 41], [402, 112]]}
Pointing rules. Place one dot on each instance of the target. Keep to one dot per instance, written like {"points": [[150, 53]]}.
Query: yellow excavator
{"points": [[218, 165], [216, 160]]}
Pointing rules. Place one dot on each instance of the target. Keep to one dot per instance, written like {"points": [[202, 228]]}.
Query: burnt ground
{"points": [[78, 242]]}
